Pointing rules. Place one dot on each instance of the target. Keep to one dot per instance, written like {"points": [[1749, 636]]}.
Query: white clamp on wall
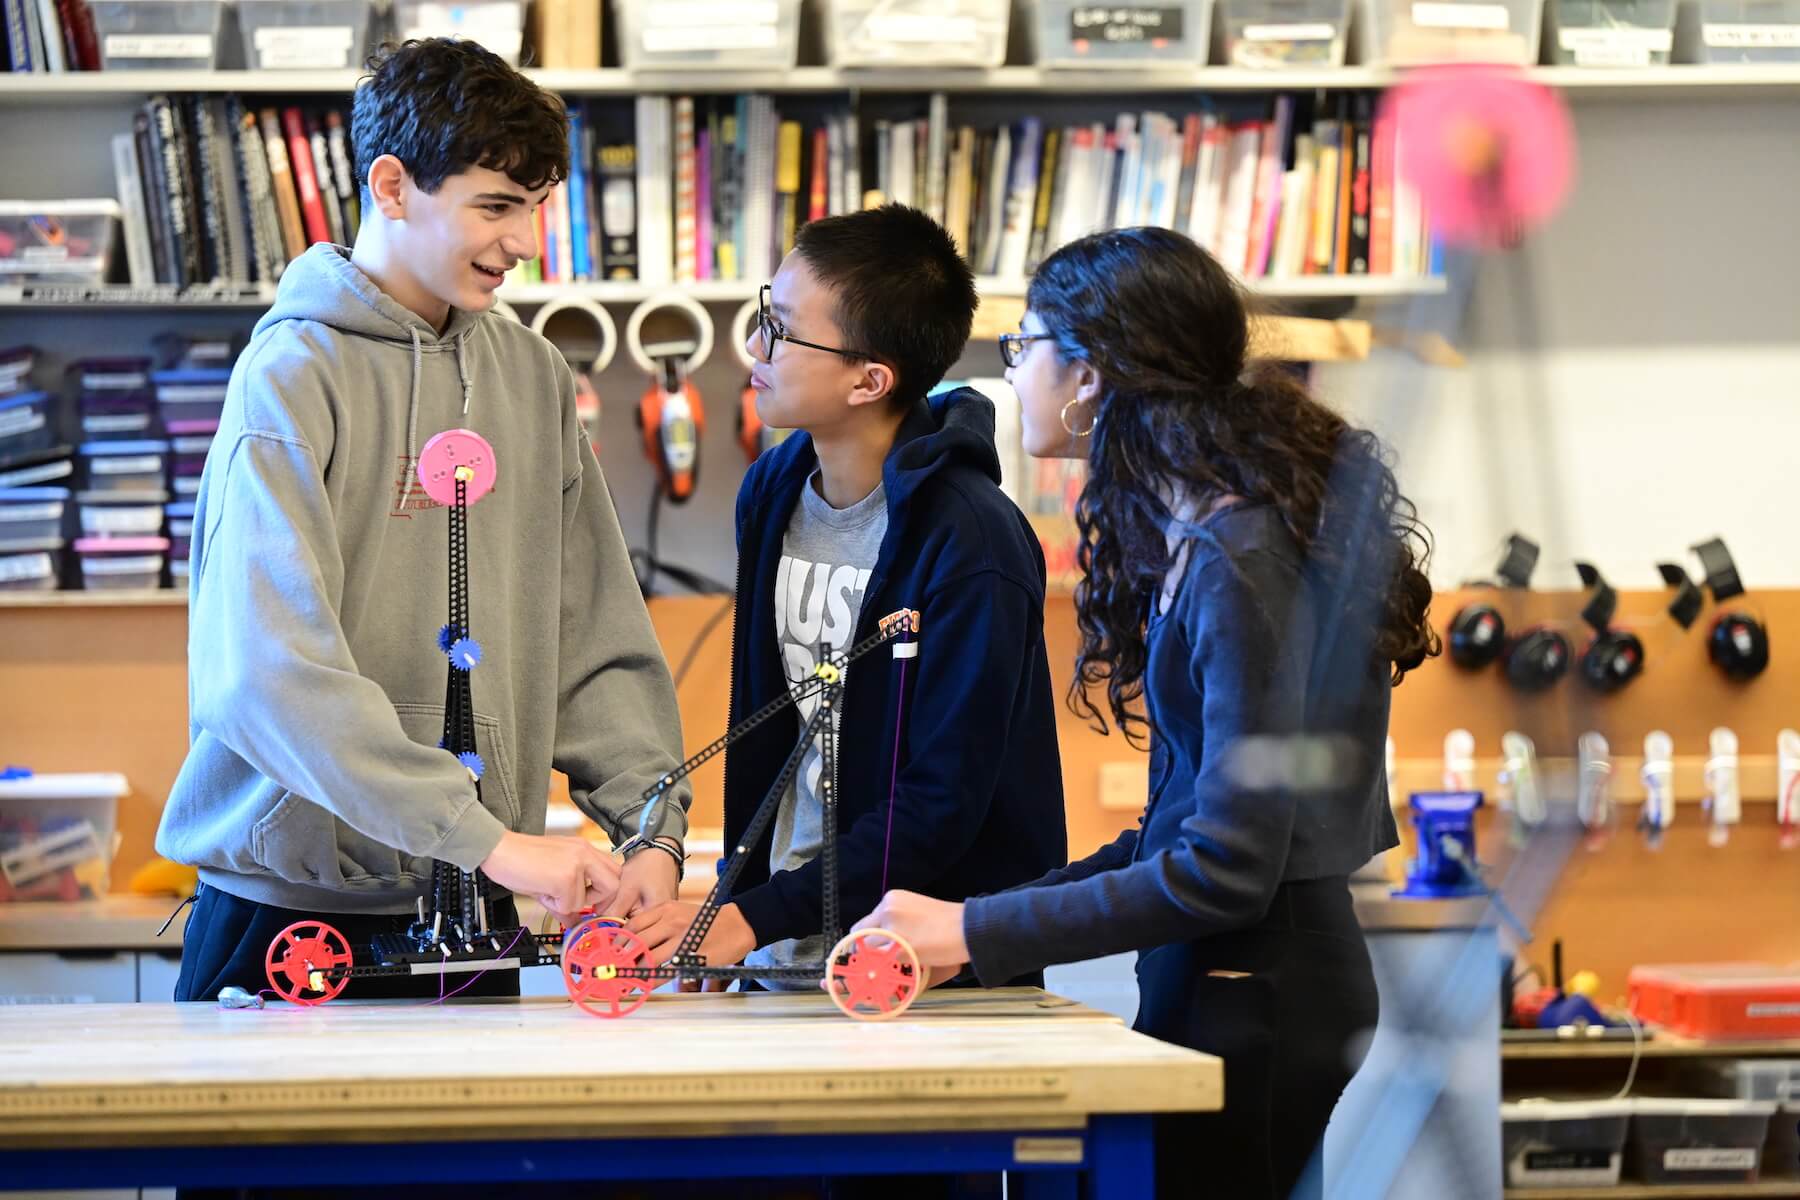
{"points": [[740, 333], [1459, 761], [581, 329], [688, 307], [1658, 774], [1524, 790], [1787, 780], [1724, 803], [1593, 783]]}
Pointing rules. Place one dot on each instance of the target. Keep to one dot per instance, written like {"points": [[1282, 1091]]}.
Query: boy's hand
{"points": [[933, 928], [647, 879], [564, 874], [663, 927]]}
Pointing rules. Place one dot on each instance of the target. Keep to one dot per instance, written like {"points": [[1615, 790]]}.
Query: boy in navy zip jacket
{"points": [[948, 778]]}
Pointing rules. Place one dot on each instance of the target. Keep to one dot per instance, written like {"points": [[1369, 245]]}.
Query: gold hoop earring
{"points": [[1070, 429]]}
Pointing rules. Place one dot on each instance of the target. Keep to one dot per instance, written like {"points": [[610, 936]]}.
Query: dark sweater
{"points": [[975, 782], [1253, 655]]}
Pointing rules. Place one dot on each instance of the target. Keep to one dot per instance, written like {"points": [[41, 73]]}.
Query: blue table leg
{"points": [[1121, 1158]]}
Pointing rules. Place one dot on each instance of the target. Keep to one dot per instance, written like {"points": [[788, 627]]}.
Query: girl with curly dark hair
{"points": [[1253, 589]]}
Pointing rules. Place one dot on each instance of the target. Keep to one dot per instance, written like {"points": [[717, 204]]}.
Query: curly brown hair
{"points": [[1183, 408]]}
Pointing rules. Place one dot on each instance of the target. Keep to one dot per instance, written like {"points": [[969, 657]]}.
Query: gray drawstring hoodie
{"points": [[320, 579]]}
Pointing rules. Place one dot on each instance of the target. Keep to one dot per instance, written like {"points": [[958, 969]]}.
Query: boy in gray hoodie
{"points": [[313, 786]]}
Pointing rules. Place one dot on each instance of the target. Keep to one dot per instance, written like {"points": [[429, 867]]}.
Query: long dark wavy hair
{"points": [[1184, 409]]}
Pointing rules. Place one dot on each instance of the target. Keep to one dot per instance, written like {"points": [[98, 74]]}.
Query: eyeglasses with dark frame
{"points": [[1012, 346], [769, 331]]}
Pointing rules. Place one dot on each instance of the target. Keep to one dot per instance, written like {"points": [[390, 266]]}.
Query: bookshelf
{"points": [[1672, 81]]}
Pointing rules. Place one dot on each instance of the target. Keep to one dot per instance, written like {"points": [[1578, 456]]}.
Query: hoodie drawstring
{"points": [[461, 374], [412, 407]]}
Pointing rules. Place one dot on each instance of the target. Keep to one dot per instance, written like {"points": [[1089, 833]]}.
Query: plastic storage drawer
{"points": [[1082, 35], [125, 466], [1564, 1144], [916, 33], [117, 423], [1742, 31], [1264, 34], [195, 395], [15, 368], [178, 573], [285, 34], [1412, 32], [56, 835], [1750, 1078], [57, 241], [1698, 1141], [122, 514], [27, 422], [687, 35], [497, 24], [188, 454], [32, 571], [160, 35], [122, 564], [110, 377], [181, 528], [1610, 33], [1781, 1154], [32, 514], [1719, 1000]]}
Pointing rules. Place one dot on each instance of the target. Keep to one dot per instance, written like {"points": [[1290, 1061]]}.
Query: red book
{"points": [[312, 209], [821, 159]]}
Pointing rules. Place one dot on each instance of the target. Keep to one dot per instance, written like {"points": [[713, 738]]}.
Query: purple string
{"points": [[477, 975], [894, 776]]}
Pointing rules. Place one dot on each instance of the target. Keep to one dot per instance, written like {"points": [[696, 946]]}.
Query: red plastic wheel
{"points": [[872, 975], [298, 958], [595, 953]]}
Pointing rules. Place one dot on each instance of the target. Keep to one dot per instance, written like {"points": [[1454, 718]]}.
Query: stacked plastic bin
{"points": [[189, 400], [121, 461], [31, 518]]}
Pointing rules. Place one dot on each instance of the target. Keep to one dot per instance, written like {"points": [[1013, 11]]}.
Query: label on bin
{"points": [[919, 28], [26, 420], [25, 567], [1445, 14], [1712, 1159], [37, 857], [1124, 24], [1751, 37], [290, 46], [158, 45], [1572, 1167], [1295, 31], [140, 464], [1615, 47], [31, 512]]}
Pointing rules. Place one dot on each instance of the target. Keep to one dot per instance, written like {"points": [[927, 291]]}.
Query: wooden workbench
{"points": [[109, 1095]]}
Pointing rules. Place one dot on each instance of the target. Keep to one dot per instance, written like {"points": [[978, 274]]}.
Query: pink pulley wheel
{"points": [[454, 452]]}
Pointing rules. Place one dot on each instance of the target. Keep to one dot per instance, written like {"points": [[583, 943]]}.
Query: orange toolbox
{"points": [[1716, 1001]]}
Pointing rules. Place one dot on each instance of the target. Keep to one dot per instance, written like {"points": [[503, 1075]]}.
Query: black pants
{"points": [[227, 942], [1283, 1004]]}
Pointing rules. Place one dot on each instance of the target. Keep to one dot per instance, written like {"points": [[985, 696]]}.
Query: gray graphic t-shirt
{"points": [[826, 557]]}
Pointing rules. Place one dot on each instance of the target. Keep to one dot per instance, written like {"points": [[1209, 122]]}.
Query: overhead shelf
{"points": [[1675, 80]]}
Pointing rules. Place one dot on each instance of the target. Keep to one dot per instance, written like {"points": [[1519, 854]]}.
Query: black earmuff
{"points": [[1477, 636], [1616, 656], [1738, 646], [1536, 659]]}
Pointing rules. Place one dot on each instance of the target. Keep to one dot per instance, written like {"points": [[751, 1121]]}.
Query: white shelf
{"points": [[18, 88], [146, 598], [123, 296]]}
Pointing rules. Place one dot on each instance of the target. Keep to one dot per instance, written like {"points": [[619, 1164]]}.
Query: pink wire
{"points": [[894, 776]]}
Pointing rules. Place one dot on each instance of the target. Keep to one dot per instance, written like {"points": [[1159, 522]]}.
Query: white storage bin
{"points": [[15, 368], [47, 977], [122, 514], [124, 426], [1610, 33], [1680, 1141], [497, 24], [51, 471], [32, 514], [56, 835], [686, 35], [1564, 1144], [1273, 34], [57, 241], [27, 422], [1740, 31], [303, 34], [29, 572], [121, 563], [1749, 1078], [191, 395], [1415, 32], [125, 466], [1075, 34], [158, 35], [916, 33]]}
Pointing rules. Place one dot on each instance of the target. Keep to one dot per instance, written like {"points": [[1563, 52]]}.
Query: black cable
{"points": [[706, 630], [647, 564]]}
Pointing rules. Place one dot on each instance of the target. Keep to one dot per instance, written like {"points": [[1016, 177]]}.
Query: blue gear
{"points": [[444, 640], [466, 653], [472, 760]]}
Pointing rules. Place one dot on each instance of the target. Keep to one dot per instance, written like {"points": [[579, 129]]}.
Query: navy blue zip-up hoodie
{"points": [[976, 782]]}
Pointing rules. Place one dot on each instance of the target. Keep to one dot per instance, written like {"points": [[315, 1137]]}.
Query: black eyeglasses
{"points": [[769, 331], [1012, 346]]}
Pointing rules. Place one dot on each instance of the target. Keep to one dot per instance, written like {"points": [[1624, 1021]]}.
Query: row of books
{"points": [[683, 189], [214, 192], [49, 35]]}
